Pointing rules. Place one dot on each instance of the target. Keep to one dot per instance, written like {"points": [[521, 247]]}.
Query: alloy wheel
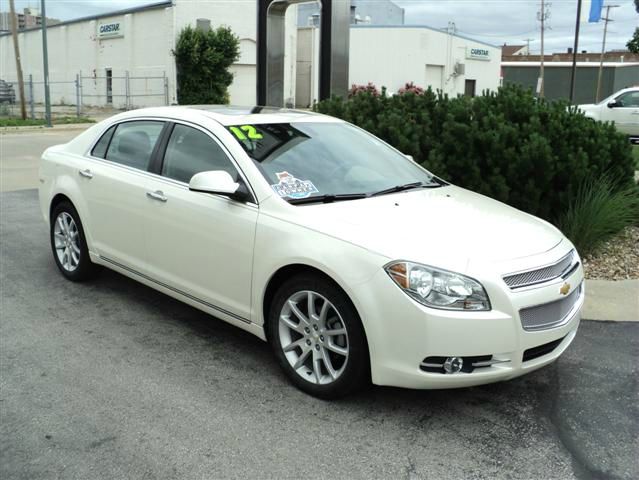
{"points": [[313, 337], [67, 241]]}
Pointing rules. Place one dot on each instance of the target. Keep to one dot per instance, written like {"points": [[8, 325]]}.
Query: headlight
{"points": [[438, 288]]}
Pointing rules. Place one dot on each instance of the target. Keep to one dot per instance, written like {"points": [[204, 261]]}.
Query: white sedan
{"points": [[352, 261], [622, 108]]}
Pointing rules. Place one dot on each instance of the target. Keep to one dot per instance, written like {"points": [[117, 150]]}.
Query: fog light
{"points": [[453, 364]]}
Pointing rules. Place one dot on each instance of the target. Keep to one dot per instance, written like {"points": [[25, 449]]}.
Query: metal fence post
{"points": [[127, 91], [166, 89], [77, 95], [31, 102]]}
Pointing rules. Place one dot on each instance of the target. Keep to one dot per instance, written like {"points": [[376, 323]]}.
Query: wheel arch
{"points": [[65, 195], [287, 271], [57, 199]]}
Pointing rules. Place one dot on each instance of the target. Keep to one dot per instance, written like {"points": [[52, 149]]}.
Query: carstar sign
{"points": [[110, 30], [477, 53]]}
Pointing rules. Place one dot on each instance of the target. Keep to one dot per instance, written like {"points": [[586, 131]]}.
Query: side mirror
{"points": [[613, 104], [410, 157], [220, 183]]}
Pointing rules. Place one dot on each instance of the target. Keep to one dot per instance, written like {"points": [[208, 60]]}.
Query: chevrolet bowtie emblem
{"points": [[565, 288]]}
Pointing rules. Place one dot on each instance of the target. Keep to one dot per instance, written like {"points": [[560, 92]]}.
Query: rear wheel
{"points": [[318, 337], [69, 245]]}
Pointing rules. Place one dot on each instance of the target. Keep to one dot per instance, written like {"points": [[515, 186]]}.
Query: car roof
{"points": [[231, 114]]}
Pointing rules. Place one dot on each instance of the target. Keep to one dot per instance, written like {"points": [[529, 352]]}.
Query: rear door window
{"points": [[100, 148], [133, 143]]}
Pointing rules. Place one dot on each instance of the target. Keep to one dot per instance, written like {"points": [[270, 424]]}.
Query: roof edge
{"points": [[141, 8], [427, 27]]}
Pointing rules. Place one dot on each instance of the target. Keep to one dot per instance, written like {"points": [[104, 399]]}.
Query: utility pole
{"points": [[603, 50], [573, 72], [542, 16], [528, 40], [16, 49], [45, 60]]}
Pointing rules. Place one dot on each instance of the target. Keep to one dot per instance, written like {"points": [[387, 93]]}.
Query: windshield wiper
{"points": [[406, 186], [340, 197]]}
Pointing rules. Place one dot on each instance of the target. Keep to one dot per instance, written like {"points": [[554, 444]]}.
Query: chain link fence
{"points": [[87, 95]]}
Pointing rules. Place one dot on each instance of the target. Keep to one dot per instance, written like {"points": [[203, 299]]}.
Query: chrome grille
{"points": [[540, 275], [549, 315]]}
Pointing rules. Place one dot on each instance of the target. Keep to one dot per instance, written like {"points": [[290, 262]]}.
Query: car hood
{"points": [[446, 226]]}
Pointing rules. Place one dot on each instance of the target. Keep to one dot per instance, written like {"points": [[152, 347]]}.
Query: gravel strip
{"points": [[616, 259]]}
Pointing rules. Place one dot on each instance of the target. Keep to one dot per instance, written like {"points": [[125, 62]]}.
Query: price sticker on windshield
{"points": [[292, 187], [244, 132]]}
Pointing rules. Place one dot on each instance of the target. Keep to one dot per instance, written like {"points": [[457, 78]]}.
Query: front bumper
{"points": [[402, 333]]}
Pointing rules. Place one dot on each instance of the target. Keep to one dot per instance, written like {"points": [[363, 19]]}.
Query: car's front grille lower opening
{"points": [[541, 350], [470, 364], [551, 314]]}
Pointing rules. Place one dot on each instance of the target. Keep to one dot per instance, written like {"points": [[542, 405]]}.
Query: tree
{"points": [[633, 43], [637, 5], [203, 59]]}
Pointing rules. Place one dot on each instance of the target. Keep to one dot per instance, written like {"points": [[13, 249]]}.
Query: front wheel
{"points": [[69, 245], [318, 337]]}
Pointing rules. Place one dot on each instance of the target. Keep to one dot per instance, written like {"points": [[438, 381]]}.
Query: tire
{"points": [[70, 251], [332, 365]]}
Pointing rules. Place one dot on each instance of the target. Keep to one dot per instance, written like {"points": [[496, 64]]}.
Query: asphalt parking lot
{"points": [[111, 379]]}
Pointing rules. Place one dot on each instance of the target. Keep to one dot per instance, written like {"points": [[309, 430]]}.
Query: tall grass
{"points": [[600, 210]]}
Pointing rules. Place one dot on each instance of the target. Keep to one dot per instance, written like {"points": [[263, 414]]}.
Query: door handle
{"points": [[157, 195], [86, 173]]}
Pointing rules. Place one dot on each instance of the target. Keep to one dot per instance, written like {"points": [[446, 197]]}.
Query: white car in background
{"points": [[622, 108], [351, 260]]}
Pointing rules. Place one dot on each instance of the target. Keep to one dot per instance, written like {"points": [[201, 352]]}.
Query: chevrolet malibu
{"points": [[352, 261]]}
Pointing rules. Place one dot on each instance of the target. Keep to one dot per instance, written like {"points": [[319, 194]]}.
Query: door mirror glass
{"points": [[215, 181]]}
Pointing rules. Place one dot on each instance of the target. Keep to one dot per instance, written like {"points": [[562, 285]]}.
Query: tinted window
{"points": [[191, 151], [630, 99], [133, 143], [100, 148]]}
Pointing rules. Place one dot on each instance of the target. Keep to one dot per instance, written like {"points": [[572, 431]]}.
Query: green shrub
{"points": [[531, 154], [203, 60], [598, 211]]}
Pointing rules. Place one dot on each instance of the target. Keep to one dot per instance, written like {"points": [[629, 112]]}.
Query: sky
{"points": [[492, 21]]}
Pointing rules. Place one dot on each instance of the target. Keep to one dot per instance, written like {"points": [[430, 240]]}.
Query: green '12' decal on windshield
{"points": [[250, 131]]}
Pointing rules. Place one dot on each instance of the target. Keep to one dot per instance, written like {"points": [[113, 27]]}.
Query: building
{"points": [[371, 12], [30, 18], [615, 76], [514, 50], [124, 59], [620, 56], [429, 57]]}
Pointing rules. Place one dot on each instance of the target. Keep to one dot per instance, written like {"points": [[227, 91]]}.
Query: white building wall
{"points": [[393, 56], [144, 51]]}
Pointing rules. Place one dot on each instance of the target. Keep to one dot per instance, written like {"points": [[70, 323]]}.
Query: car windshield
{"points": [[328, 161]]}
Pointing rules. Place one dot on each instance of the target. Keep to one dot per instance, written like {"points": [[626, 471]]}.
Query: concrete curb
{"points": [[608, 300], [32, 128]]}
